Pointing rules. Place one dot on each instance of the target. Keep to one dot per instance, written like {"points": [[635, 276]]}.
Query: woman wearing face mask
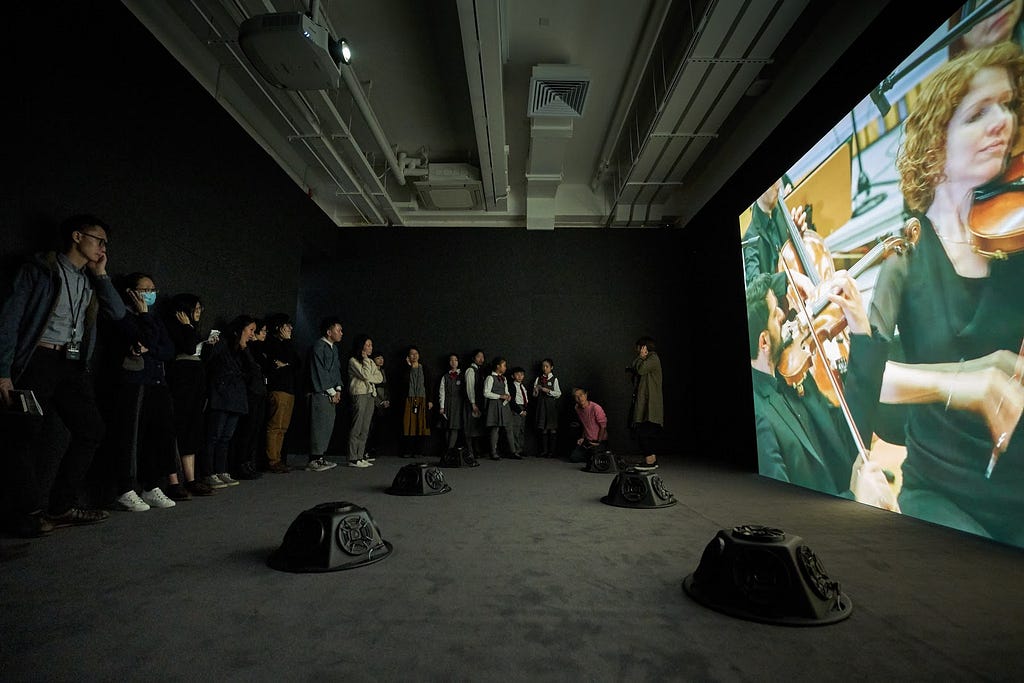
{"points": [[143, 422]]}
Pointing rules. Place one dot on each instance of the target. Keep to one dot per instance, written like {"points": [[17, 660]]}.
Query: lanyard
{"points": [[76, 309]]}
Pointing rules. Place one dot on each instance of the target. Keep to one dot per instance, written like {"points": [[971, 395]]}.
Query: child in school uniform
{"points": [[451, 401], [519, 404], [547, 390], [498, 415]]}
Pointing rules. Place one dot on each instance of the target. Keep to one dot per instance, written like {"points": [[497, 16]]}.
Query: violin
{"points": [[827, 320], [806, 253], [996, 218]]}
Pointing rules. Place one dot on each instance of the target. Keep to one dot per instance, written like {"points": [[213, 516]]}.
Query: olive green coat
{"points": [[647, 400]]}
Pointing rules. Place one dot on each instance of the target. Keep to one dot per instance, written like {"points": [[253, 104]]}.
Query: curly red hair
{"points": [[922, 156]]}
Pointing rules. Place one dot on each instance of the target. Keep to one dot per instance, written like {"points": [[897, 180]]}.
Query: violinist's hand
{"points": [[843, 292], [869, 486], [803, 284], [992, 394], [799, 216]]}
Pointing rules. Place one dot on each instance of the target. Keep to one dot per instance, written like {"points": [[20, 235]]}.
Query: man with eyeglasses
{"points": [[47, 336]]}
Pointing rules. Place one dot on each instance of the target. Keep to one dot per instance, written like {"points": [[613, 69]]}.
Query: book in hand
{"points": [[23, 402]]}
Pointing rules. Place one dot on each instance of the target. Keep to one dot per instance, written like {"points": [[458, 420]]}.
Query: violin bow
{"points": [[1018, 372], [844, 406]]}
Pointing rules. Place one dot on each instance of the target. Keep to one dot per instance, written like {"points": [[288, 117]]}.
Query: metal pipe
{"points": [[371, 121]]}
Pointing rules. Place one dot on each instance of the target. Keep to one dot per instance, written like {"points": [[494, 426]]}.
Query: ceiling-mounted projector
{"points": [[292, 51]]}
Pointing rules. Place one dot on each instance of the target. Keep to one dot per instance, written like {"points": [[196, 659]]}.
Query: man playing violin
{"points": [[806, 440]]}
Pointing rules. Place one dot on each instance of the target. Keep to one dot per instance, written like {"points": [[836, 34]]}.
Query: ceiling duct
{"points": [[558, 96], [558, 90], [485, 47]]}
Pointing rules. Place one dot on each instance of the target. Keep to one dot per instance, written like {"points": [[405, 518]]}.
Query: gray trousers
{"points": [[517, 434], [362, 413], [321, 424]]}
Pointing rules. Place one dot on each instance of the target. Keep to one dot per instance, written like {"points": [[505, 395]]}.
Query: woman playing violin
{"points": [[958, 314]]}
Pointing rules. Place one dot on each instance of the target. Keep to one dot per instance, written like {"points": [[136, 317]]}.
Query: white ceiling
{"points": [[669, 109]]}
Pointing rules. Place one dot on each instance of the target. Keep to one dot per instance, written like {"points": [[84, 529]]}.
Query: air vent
{"points": [[451, 187], [558, 90]]}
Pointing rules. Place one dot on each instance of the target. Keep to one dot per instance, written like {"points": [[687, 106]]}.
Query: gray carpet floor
{"points": [[519, 573]]}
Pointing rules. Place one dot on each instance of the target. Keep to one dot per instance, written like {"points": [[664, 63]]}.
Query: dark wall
{"points": [[579, 296], [108, 123]]}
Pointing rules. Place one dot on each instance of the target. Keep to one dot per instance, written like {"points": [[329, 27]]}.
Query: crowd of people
{"points": [[176, 413]]}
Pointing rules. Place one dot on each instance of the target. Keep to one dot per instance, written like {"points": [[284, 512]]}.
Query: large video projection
{"points": [[885, 290]]}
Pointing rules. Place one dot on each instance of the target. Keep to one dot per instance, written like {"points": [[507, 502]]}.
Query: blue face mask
{"points": [[149, 298]]}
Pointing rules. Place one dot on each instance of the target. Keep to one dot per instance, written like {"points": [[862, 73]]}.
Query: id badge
{"points": [[73, 350]]}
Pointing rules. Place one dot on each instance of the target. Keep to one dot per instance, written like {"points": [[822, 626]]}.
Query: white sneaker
{"points": [[157, 499], [227, 479], [320, 465], [359, 463], [369, 463], [130, 501], [369, 459]]}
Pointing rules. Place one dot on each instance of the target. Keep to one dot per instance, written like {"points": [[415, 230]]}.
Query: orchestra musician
{"points": [[807, 440], [766, 235], [1004, 23], [957, 314]]}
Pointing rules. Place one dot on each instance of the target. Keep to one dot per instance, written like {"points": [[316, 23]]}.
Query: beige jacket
{"points": [[363, 375]]}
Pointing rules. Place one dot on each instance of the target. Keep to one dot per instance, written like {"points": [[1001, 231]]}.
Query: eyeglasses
{"points": [[99, 240]]}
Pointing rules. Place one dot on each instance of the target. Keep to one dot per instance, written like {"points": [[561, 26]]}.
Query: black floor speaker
{"points": [[419, 479], [763, 574], [602, 462], [329, 537], [634, 488], [457, 457]]}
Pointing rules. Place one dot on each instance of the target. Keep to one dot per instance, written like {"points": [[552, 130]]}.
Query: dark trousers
{"points": [[144, 420], [64, 390], [648, 434], [250, 433], [220, 427]]}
